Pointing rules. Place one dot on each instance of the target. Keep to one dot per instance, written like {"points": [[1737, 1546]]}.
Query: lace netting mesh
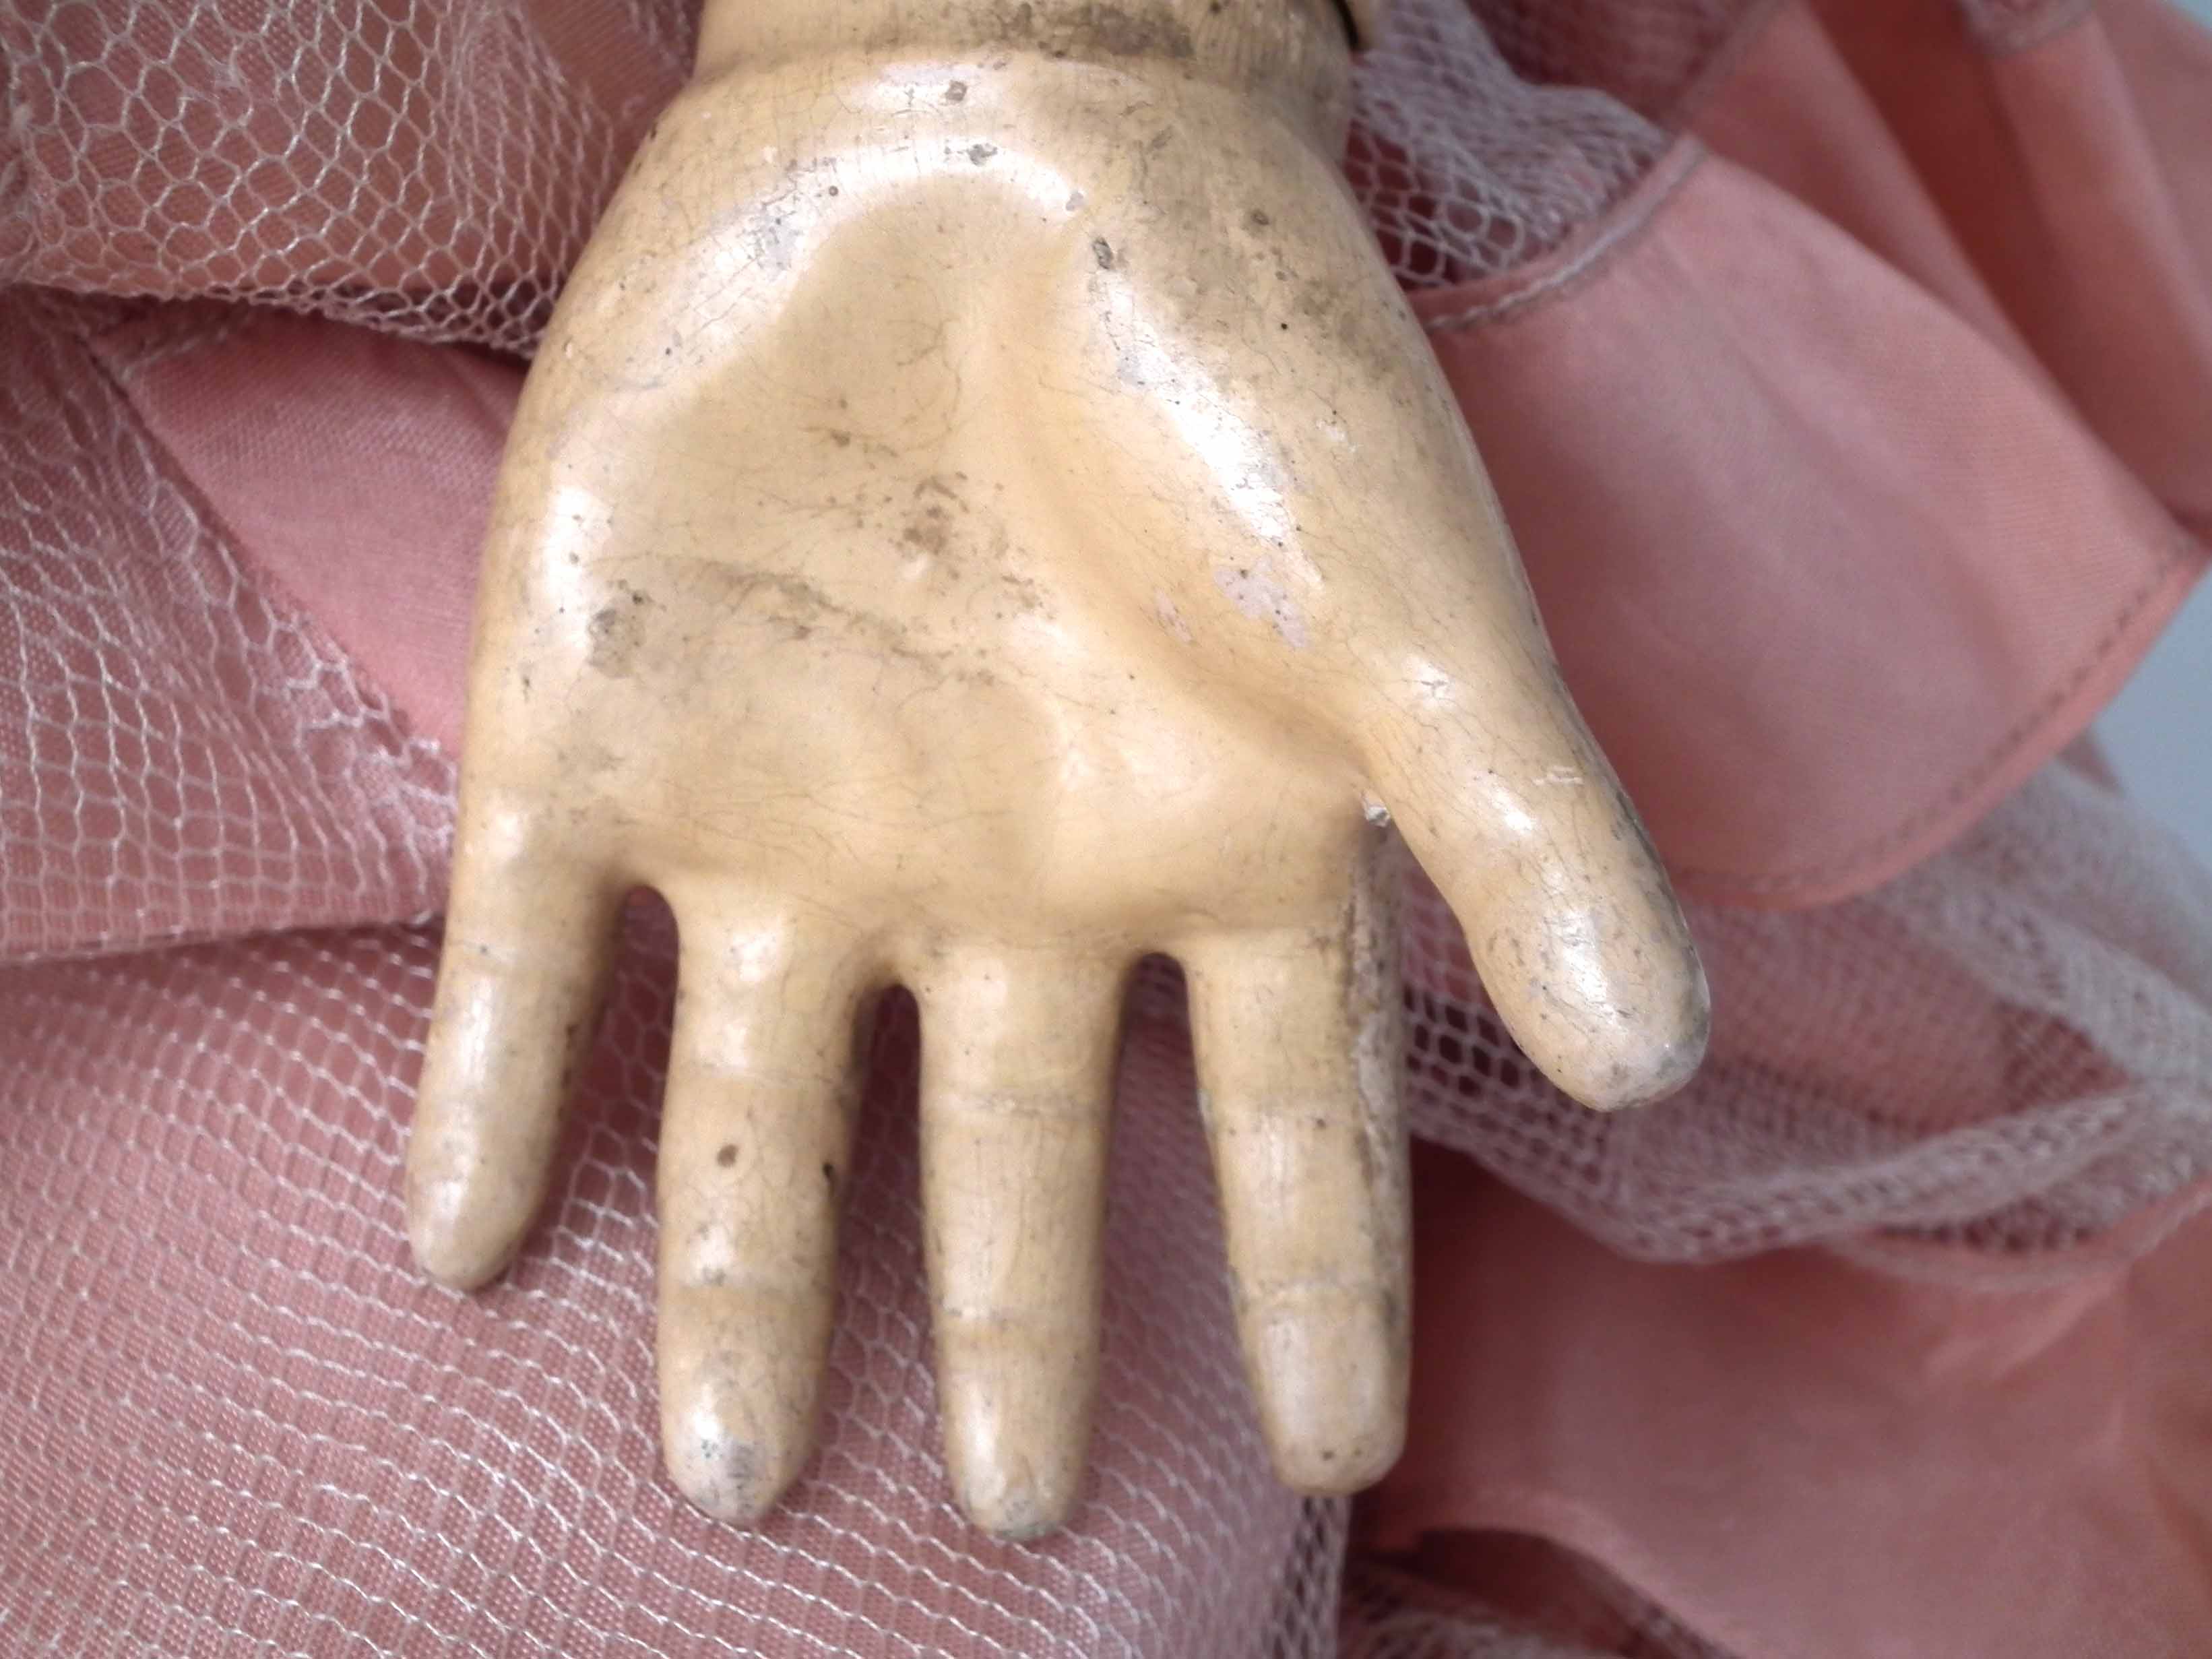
{"points": [[412, 165], [432, 169], [1647, 56], [231, 1419], [1552, 158], [183, 756], [2043, 994], [264, 1429]]}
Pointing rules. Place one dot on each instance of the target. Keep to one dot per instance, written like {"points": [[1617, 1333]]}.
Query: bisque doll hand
{"points": [[974, 522]]}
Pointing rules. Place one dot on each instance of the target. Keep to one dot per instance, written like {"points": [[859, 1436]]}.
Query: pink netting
{"points": [[235, 1416], [182, 754], [1648, 56], [434, 170], [231, 1419], [411, 165], [2043, 994], [199, 1199], [1436, 93]]}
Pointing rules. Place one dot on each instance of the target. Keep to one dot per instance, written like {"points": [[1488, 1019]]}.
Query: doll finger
{"points": [[763, 1075], [529, 940], [1504, 797], [1295, 1034], [1016, 1081]]}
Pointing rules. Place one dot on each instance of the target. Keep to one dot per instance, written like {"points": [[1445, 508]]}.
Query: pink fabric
{"points": [[2057, 176], [1818, 652], [1924, 576], [1805, 1459], [2001, 371], [357, 469]]}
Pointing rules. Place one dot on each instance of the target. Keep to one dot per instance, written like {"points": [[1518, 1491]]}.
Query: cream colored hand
{"points": [[969, 527]]}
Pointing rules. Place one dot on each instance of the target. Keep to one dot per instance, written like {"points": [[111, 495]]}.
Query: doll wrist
{"points": [[1299, 49]]}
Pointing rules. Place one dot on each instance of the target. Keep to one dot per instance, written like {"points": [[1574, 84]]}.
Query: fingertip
{"points": [[723, 1472], [1017, 1416], [1331, 1366], [451, 1248], [1584, 951], [1017, 1515], [1018, 1505], [1662, 1056], [1570, 915], [466, 1215], [739, 1378], [1611, 1034]]}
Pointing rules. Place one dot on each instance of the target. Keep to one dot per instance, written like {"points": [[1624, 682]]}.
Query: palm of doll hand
{"points": [[973, 559]]}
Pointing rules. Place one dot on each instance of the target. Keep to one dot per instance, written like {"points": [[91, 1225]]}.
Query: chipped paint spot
{"points": [[1432, 682], [1257, 591]]}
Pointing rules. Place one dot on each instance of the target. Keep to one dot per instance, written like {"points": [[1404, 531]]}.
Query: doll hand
{"points": [[968, 529]]}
